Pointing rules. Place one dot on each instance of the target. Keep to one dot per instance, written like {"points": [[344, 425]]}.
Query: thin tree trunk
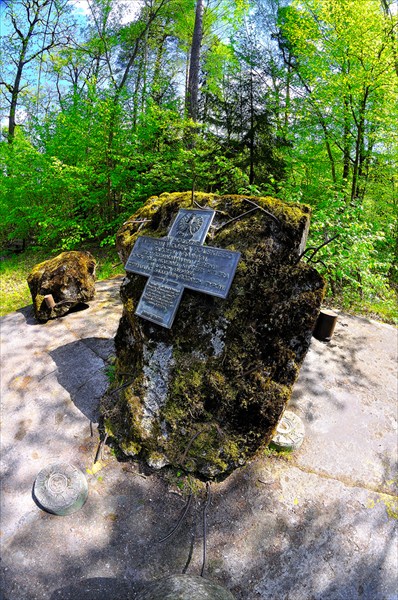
{"points": [[391, 33], [328, 148], [157, 93], [144, 72], [187, 78], [251, 173], [287, 98], [194, 66], [346, 145], [359, 145], [14, 101]]}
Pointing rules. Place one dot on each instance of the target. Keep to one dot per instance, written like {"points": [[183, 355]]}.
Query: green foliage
{"points": [[358, 263], [298, 99], [110, 372]]}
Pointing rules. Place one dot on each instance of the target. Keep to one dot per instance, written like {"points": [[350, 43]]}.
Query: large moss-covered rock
{"points": [[208, 394], [69, 278]]}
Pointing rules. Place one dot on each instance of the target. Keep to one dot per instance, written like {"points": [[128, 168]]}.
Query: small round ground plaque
{"points": [[289, 433], [60, 489]]}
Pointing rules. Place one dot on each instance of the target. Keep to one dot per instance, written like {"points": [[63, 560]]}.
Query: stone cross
{"points": [[179, 261]]}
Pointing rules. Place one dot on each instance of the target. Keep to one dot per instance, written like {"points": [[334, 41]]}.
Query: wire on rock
{"points": [[191, 441], [180, 520], [190, 554], [206, 505], [316, 249]]}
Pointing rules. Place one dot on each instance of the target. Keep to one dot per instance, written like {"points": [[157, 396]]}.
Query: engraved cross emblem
{"points": [[180, 261]]}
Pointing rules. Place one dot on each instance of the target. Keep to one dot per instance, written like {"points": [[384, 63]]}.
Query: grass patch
{"points": [[385, 311], [14, 269]]}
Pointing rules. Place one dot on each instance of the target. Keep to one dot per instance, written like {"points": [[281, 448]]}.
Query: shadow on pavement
{"points": [[321, 551], [29, 315], [81, 372], [96, 588]]}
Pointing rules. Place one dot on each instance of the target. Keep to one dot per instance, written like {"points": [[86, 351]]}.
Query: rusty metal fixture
{"points": [[49, 300], [324, 327]]}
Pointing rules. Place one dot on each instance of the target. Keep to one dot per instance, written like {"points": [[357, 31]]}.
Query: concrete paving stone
{"points": [[320, 524], [351, 416]]}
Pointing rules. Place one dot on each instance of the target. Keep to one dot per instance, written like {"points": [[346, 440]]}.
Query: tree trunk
{"points": [[157, 92], [194, 66], [287, 97], [346, 145], [251, 173], [14, 101], [144, 72], [359, 146]]}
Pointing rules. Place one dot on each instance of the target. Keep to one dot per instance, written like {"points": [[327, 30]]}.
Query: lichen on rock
{"points": [[208, 394], [69, 278]]}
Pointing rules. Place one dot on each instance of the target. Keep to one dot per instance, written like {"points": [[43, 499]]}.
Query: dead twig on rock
{"points": [[99, 454], [256, 207], [273, 217], [315, 262], [235, 219], [138, 221]]}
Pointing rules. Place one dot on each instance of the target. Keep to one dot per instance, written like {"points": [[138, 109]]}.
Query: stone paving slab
{"points": [[319, 524]]}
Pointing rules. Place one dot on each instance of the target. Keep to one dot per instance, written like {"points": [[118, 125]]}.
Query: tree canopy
{"points": [[291, 98]]}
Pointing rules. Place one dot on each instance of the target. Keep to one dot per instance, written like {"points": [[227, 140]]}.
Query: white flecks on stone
{"points": [[217, 335], [158, 363]]}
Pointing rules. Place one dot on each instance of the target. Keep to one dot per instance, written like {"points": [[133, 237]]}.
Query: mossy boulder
{"points": [[207, 394], [69, 278]]}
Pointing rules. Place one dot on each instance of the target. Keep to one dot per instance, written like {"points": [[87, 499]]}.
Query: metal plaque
{"points": [[159, 301], [180, 261], [192, 225], [60, 489]]}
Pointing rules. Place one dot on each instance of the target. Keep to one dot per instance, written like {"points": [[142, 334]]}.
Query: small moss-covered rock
{"points": [[69, 278], [207, 394]]}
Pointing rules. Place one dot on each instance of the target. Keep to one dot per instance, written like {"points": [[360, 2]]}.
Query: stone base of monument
{"points": [[184, 587], [218, 314], [62, 283]]}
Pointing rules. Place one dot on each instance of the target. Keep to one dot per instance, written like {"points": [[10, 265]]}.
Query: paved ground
{"points": [[319, 525]]}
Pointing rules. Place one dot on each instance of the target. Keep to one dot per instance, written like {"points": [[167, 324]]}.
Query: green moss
{"points": [[130, 448]]}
